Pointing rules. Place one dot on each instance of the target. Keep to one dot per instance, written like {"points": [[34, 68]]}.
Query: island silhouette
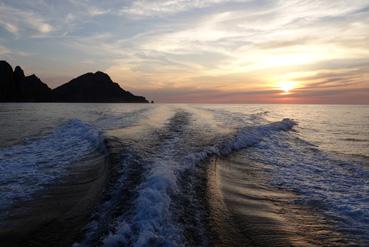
{"points": [[89, 87]]}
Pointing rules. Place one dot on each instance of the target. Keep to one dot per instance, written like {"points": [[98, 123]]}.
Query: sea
{"points": [[192, 174]]}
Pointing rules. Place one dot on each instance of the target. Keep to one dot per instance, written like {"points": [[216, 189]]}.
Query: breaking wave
{"points": [[152, 219], [26, 168], [158, 165], [335, 184]]}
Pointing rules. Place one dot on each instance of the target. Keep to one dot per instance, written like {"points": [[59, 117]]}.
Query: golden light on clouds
{"points": [[247, 51]]}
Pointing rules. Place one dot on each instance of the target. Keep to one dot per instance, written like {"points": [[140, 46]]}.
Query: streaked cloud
{"points": [[15, 21], [4, 50], [222, 49], [166, 7]]}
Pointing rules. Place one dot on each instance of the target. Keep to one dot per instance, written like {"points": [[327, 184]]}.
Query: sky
{"points": [[209, 51]]}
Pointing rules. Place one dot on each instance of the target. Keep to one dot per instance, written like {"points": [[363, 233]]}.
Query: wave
{"points": [[152, 219], [251, 135], [149, 221], [156, 193], [121, 120], [28, 167], [332, 183], [355, 140], [166, 189]]}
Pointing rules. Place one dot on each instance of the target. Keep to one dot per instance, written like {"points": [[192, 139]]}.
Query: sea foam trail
{"points": [[118, 120], [336, 185], [152, 221], [28, 167], [149, 221], [251, 135], [130, 153]]}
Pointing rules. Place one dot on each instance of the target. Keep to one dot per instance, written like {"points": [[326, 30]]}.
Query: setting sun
{"points": [[287, 86]]}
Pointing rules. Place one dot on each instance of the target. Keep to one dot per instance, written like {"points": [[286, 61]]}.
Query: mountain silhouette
{"points": [[90, 87], [16, 87], [99, 88]]}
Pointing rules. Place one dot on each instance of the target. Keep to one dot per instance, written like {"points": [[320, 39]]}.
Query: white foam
{"points": [[337, 185], [26, 168], [249, 136], [119, 120], [151, 222]]}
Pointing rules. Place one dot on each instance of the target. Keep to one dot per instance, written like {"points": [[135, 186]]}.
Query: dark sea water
{"points": [[198, 175]]}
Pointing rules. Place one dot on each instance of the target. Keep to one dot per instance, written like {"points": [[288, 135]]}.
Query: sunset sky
{"points": [[210, 51]]}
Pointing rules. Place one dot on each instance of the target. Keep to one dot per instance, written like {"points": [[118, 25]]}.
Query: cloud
{"points": [[218, 47], [342, 78], [4, 50], [189, 94], [167, 7], [94, 11], [16, 20]]}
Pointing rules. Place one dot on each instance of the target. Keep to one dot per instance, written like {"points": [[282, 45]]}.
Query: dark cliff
{"points": [[90, 87], [7, 82], [16, 87], [94, 87]]}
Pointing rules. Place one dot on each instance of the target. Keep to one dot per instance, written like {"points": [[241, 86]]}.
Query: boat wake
{"points": [[166, 171], [157, 192]]}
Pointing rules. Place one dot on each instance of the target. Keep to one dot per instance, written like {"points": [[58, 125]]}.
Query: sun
{"points": [[287, 86]]}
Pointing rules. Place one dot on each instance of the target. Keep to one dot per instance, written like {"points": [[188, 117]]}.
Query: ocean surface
{"points": [[195, 174]]}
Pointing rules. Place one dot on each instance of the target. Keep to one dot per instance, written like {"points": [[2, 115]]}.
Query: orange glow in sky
{"points": [[198, 51]]}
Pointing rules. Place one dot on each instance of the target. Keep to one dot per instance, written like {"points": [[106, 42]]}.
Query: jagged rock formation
{"points": [[7, 85], [90, 87], [16, 87], [18, 74]]}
